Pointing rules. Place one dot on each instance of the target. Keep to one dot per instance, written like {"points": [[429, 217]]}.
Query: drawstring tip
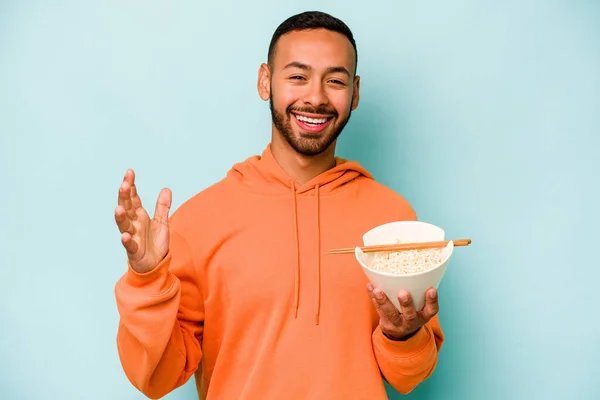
{"points": [[296, 313], [317, 318]]}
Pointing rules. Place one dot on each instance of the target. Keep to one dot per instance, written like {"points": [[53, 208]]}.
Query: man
{"points": [[235, 286]]}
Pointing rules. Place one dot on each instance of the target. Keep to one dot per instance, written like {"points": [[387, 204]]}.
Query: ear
{"points": [[264, 82], [356, 94]]}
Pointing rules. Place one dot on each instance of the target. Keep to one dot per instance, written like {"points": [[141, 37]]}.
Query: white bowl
{"points": [[416, 283]]}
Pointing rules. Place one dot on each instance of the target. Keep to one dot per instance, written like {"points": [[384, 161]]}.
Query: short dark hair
{"points": [[311, 20]]}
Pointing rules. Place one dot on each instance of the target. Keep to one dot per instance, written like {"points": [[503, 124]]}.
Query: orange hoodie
{"points": [[247, 300]]}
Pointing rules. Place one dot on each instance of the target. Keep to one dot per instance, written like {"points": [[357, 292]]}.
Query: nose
{"points": [[315, 94]]}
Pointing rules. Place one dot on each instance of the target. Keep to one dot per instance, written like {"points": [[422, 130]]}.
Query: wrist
{"points": [[400, 338], [405, 348]]}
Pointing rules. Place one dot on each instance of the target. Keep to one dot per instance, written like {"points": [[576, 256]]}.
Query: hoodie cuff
{"points": [[405, 348], [156, 281]]}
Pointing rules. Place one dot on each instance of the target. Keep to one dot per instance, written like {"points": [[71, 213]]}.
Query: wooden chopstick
{"points": [[402, 247]]}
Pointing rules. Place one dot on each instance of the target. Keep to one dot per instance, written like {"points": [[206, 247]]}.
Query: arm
{"points": [[159, 299], [161, 323], [406, 344], [405, 364]]}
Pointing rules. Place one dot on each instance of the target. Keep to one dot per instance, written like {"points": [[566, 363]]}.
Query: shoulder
{"points": [[385, 197], [203, 206]]}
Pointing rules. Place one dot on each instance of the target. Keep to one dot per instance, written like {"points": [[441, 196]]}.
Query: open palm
{"points": [[146, 240]]}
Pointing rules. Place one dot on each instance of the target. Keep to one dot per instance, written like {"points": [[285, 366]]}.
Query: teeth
{"points": [[311, 120]]}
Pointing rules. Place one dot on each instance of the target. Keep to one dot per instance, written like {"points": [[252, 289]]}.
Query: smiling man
{"points": [[312, 87], [236, 287]]}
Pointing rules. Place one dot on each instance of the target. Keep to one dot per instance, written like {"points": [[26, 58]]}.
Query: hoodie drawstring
{"points": [[297, 272], [318, 303], [297, 239]]}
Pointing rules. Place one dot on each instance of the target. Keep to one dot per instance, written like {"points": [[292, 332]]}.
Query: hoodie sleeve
{"points": [[161, 322], [405, 364]]}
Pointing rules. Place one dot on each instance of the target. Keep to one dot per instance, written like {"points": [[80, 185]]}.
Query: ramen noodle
{"points": [[407, 261]]}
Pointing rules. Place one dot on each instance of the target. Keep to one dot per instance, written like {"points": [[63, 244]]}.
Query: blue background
{"points": [[485, 115]]}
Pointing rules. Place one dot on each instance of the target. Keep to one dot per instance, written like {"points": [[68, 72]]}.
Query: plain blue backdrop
{"points": [[485, 115]]}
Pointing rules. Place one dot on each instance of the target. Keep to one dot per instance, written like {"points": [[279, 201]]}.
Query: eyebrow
{"points": [[330, 70]]}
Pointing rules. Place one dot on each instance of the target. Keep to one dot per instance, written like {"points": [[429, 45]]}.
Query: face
{"points": [[312, 88]]}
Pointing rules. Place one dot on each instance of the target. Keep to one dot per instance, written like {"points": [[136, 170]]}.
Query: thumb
{"points": [[163, 206]]}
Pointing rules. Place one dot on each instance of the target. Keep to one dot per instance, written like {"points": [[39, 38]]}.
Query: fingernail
{"points": [[404, 298], [370, 287], [433, 294], [378, 294]]}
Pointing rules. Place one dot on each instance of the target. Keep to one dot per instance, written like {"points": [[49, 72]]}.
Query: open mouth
{"points": [[312, 124]]}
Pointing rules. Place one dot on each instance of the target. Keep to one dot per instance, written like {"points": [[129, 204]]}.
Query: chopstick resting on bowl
{"points": [[403, 246]]}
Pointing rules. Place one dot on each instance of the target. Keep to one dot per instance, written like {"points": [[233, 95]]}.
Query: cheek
{"points": [[342, 102], [284, 96]]}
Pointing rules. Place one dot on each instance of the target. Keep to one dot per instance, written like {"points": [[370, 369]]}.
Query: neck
{"points": [[299, 167]]}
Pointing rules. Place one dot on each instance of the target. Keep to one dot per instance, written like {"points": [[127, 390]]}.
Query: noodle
{"points": [[407, 261]]}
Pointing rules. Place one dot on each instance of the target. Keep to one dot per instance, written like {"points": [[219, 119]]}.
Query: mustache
{"points": [[311, 110]]}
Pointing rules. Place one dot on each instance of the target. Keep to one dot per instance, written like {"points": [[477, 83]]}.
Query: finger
{"points": [[431, 307], [163, 205], [125, 196], [123, 222], [125, 189], [407, 307], [129, 177], [370, 289], [386, 309], [136, 201], [130, 245]]}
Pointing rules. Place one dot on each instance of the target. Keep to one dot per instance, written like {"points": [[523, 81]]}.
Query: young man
{"points": [[235, 286]]}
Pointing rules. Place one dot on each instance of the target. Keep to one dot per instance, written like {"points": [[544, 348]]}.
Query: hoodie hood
{"points": [[263, 175]]}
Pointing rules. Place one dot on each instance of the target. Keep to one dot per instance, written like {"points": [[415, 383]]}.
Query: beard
{"points": [[307, 145]]}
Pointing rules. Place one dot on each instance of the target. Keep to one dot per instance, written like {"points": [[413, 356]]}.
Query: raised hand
{"points": [[402, 324], [145, 240]]}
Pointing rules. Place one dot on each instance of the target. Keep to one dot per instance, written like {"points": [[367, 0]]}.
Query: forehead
{"points": [[318, 48]]}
